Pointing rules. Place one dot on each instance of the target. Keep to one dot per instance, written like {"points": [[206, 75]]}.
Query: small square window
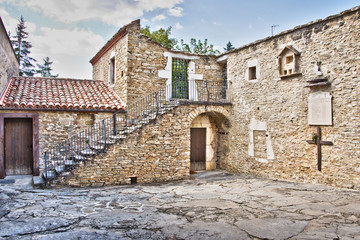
{"points": [[289, 59], [252, 73]]}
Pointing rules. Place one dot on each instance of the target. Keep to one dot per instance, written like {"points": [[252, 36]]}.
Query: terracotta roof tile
{"points": [[59, 94]]}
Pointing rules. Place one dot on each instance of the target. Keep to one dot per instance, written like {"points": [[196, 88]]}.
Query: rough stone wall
{"points": [[55, 127], [282, 104], [147, 59], [9, 66], [102, 67], [211, 70], [158, 152]]}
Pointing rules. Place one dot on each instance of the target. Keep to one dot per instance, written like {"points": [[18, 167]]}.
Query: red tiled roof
{"points": [[29, 93]]}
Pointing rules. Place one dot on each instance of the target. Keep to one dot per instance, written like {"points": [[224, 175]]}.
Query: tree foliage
{"points": [[22, 49], [229, 47], [45, 69], [161, 36], [197, 46]]}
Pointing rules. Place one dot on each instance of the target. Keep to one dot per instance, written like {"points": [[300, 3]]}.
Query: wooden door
{"points": [[18, 146], [198, 149]]}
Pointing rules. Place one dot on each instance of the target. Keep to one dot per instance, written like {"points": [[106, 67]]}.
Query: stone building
{"points": [[294, 110], [38, 113], [9, 65], [284, 107]]}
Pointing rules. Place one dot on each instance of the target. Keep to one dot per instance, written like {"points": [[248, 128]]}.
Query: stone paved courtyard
{"points": [[213, 205]]}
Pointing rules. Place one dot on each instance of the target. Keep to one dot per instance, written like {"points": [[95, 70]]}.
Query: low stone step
{"points": [[87, 152], [38, 181]]}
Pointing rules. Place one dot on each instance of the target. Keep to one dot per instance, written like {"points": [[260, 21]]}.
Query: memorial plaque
{"points": [[320, 109]]}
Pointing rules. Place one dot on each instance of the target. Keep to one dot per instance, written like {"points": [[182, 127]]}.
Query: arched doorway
{"points": [[208, 141]]}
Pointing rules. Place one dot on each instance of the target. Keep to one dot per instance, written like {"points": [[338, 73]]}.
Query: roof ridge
{"points": [[113, 40], [57, 78], [308, 24]]}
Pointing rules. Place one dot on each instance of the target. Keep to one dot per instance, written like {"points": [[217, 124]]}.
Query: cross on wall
{"points": [[318, 143]]}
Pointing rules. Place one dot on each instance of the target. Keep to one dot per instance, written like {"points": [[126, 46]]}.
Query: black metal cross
{"points": [[318, 142]]}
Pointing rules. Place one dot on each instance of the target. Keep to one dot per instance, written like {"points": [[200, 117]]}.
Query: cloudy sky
{"points": [[71, 32]]}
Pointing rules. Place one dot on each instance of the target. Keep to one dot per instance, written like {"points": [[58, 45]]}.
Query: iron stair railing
{"points": [[95, 139]]}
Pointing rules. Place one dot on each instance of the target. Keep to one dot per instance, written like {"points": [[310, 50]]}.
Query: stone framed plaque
{"points": [[320, 109]]}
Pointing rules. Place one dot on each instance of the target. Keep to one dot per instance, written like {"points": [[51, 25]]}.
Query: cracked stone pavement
{"points": [[213, 205]]}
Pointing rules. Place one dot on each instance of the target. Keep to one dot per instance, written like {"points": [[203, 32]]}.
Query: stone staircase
{"points": [[87, 144], [67, 155]]}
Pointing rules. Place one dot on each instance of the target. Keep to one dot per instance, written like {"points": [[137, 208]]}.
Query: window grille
{"points": [[180, 83]]}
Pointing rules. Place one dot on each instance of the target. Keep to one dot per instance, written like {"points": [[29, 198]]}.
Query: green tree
{"points": [[45, 69], [22, 49], [197, 46], [229, 47], [161, 36]]}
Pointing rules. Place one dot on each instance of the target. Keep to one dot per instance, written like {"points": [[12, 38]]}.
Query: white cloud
{"points": [[112, 12], [216, 24], [179, 26], [157, 27], [9, 22], [250, 26], [176, 11], [70, 50], [158, 18], [144, 21]]}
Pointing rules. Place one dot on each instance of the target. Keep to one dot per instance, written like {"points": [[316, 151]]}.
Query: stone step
{"points": [[60, 168], [108, 142], [49, 174], [38, 181], [87, 152], [121, 132], [70, 162], [79, 157], [97, 147], [117, 137], [145, 121]]}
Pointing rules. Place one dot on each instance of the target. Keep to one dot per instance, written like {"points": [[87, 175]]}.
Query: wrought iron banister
{"points": [[96, 138]]}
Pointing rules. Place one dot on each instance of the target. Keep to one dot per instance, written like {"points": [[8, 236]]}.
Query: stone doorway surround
{"points": [[35, 140], [214, 123]]}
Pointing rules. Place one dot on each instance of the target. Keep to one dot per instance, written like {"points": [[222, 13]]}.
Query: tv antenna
{"points": [[272, 29]]}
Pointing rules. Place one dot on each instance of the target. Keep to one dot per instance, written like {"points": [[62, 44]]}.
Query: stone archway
{"points": [[216, 127]]}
